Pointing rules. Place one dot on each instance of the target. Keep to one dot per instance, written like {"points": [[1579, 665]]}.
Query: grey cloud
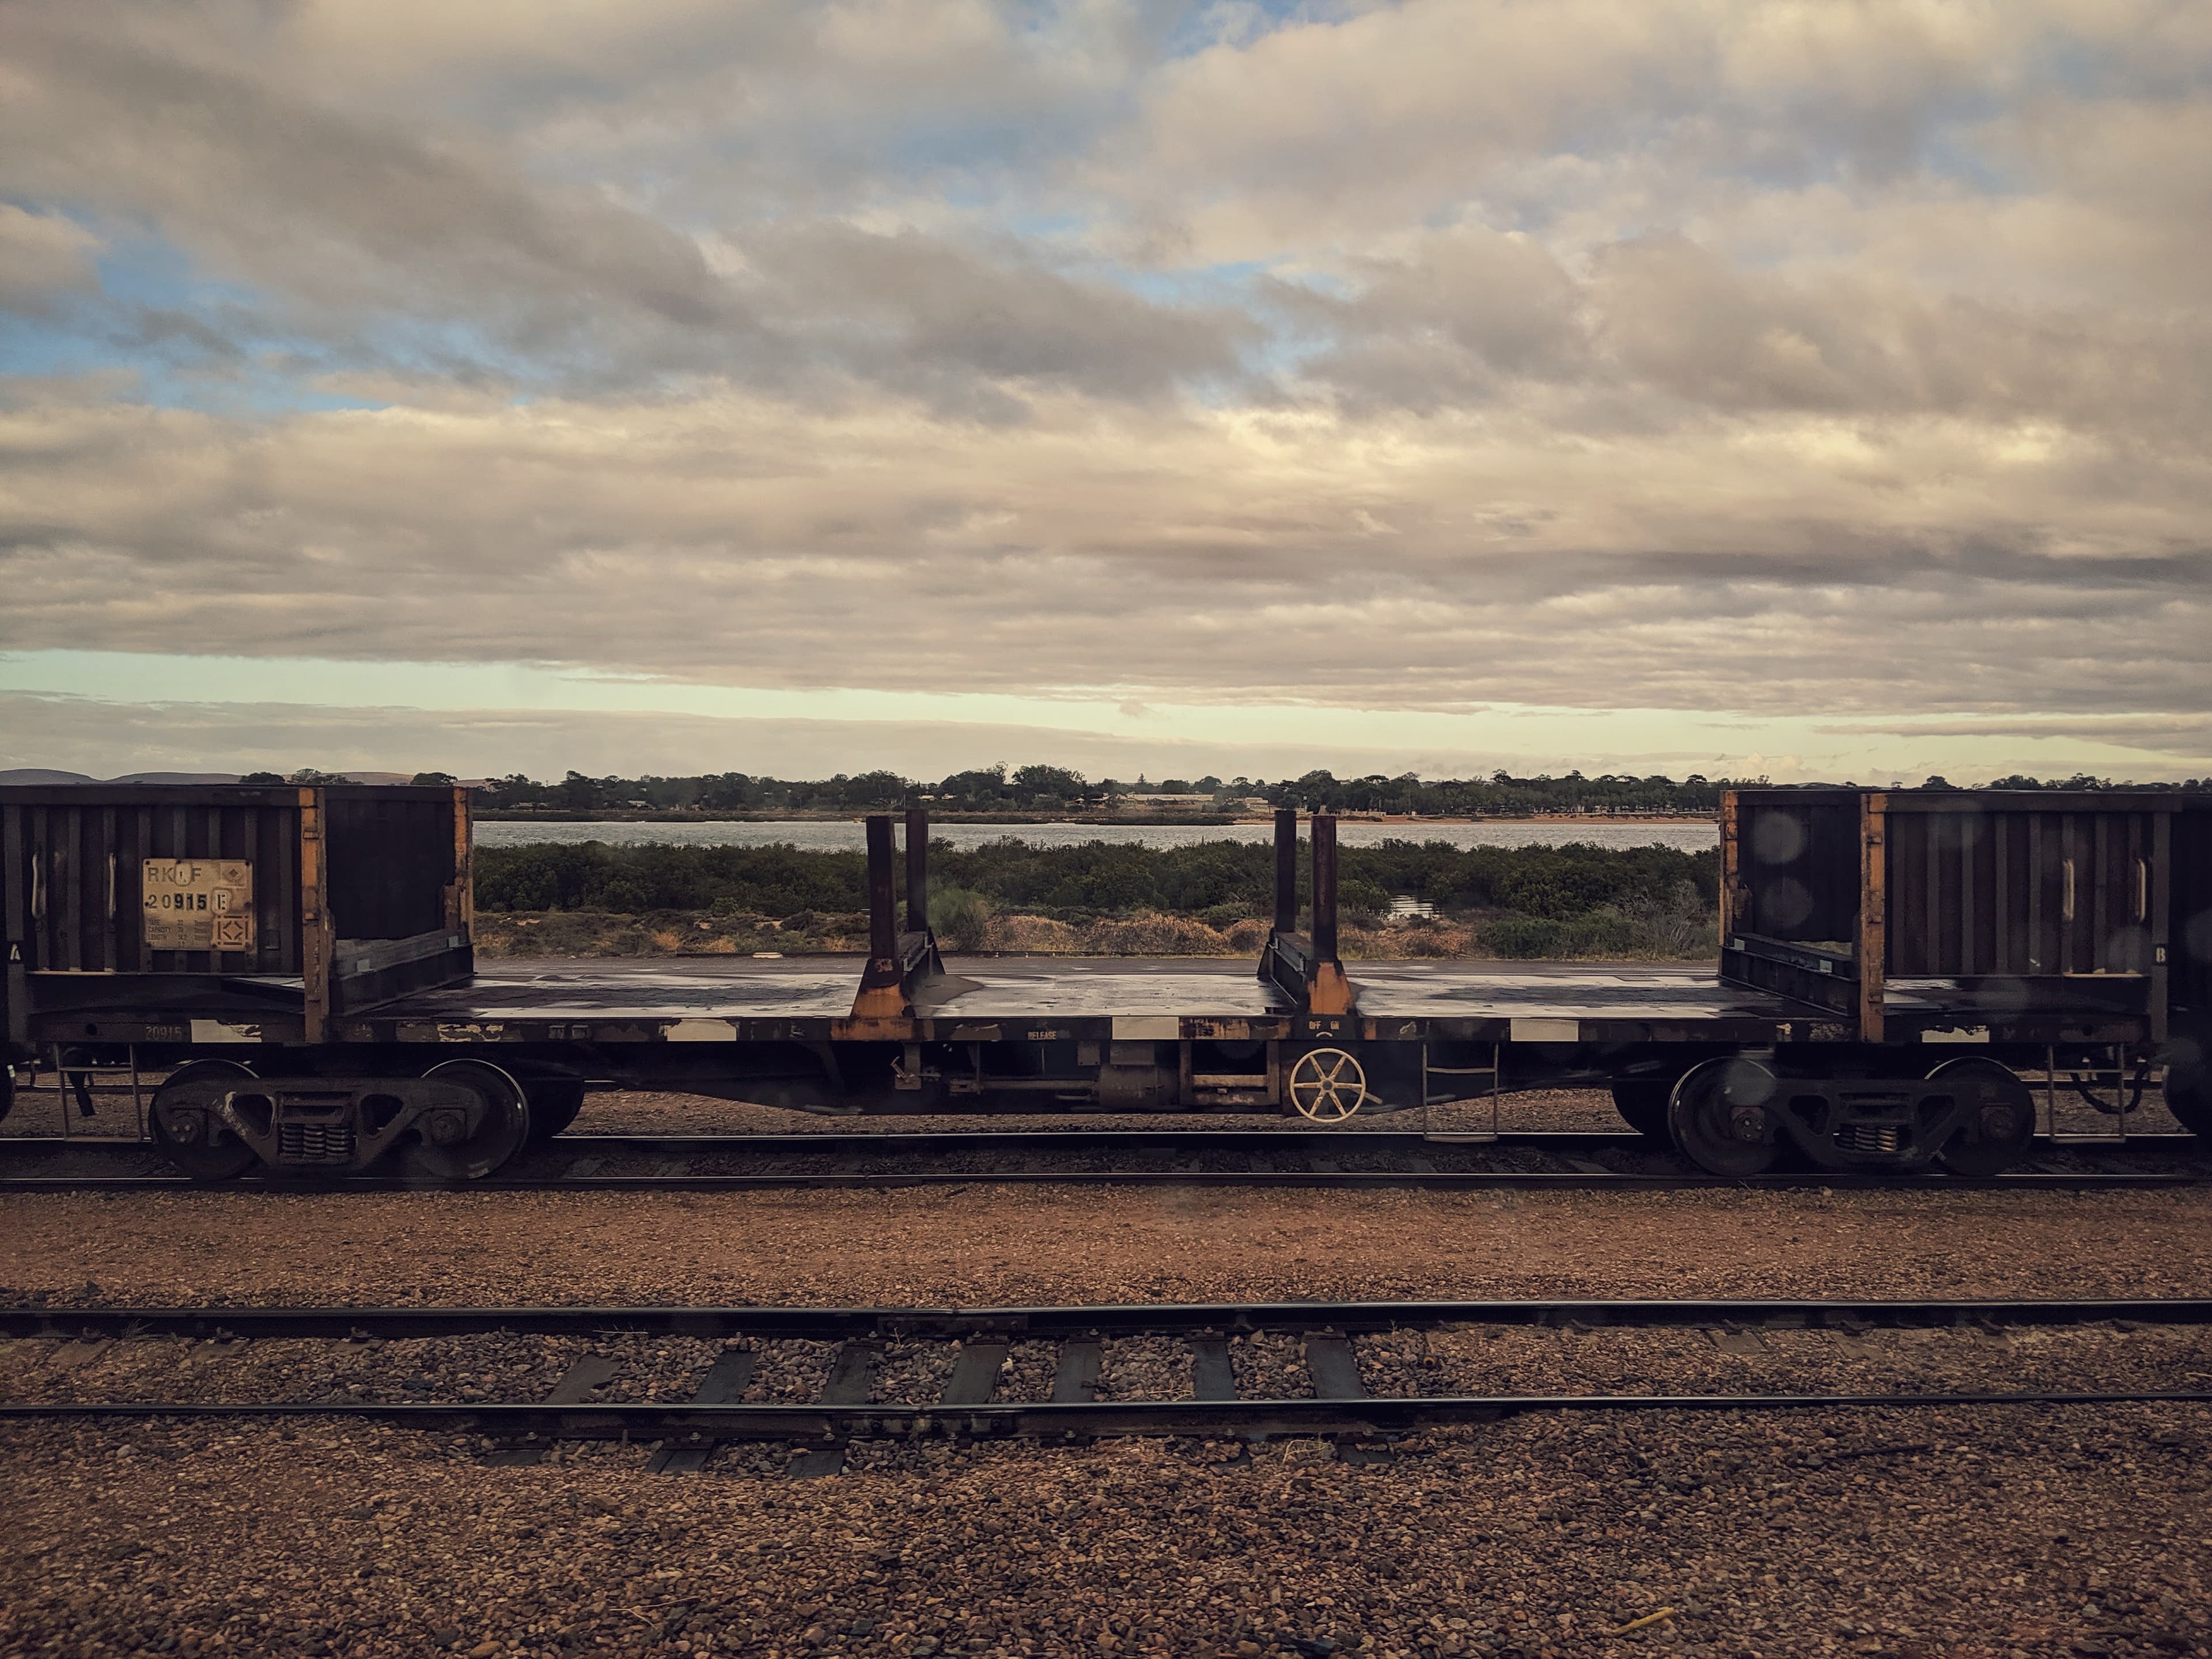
{"points": [[1330, 131], [762, 544], [905, 309], [1679, 316], [1607, 354], [268, 181], [338, 215], [2165, 734], [1472, 310], [43, 256], [1470, 316], [348, 218]]}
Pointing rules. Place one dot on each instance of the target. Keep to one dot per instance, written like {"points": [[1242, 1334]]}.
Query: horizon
{"points": [[1204, 784]]}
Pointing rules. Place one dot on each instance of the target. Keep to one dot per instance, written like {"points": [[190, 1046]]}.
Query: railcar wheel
{"points": [[1718, 1117], [553, 1104], [2001, 1127], [201, 1145], [500, 1134], [1328, 1085], [2188, 1085], [1642, 1104]]}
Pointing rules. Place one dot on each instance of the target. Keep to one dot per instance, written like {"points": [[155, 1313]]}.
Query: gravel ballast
{"points": [[2073, 1532], [968, 1245], [1456, 1359]]}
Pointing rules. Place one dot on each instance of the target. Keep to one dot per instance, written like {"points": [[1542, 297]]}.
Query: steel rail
{"points": [[844, 1142], [1415, 1180], [1240, 1418], [344, 1323], [1567, 1144], [847, 1143]]}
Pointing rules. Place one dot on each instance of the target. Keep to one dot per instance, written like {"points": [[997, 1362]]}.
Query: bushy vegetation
{"points": [[995, 790], [1217, 882], [960, 917], [773, 881]]}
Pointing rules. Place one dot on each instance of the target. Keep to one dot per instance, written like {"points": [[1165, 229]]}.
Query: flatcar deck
{"points": [[1807, 1033], [1202, 998]]}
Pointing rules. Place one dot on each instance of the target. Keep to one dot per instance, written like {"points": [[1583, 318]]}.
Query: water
{"points": [[831, 835]]}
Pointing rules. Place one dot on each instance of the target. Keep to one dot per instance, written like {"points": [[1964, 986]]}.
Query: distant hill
{"points": [[34, 775]]}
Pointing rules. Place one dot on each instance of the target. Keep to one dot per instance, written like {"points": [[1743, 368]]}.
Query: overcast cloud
{"points": [[1847, 362]]}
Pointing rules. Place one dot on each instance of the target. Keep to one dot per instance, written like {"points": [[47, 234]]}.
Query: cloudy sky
{"points": [[1817, 390]]}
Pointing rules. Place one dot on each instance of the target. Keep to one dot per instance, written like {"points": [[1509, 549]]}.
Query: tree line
{"points": [[1059, 789], [1042, 788]]}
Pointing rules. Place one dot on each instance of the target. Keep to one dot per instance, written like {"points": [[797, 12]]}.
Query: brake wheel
{"points": [[1327, 1085]]}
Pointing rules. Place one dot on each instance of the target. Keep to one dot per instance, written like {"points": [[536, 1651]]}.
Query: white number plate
{"points": [[199, 904]]}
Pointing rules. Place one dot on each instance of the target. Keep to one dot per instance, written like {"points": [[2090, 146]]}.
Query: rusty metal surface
{"points": [[1577, 991], [1017, 987], [1669, 1003], [1117, 989], [822, 987]]}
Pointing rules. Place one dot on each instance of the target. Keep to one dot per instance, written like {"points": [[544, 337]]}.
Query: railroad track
{"points": [[1225, 1157], [1205, 1360]]}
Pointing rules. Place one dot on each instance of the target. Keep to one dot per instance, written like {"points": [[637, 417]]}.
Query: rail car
{"points": [[293, 971]]}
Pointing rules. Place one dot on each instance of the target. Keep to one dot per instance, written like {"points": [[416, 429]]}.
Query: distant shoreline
{"points": [[1144, 820]]}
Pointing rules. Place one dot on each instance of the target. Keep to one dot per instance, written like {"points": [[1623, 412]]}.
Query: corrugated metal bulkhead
{"points": [[1989, 886], [1799, 858], [74, 860], [2190, 947], [1984, 883]]}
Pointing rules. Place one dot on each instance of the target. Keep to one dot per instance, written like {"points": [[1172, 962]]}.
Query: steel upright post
{"points": [[1286, 870], [883, 919], [1324, 886], [917, 870], [1870, 950]]}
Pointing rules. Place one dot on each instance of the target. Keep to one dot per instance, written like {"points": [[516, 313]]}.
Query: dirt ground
{"points": [[2080, 1531]]}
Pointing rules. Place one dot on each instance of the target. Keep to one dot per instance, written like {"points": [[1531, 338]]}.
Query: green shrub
{"points": [[960, 917], [1524, 937]]}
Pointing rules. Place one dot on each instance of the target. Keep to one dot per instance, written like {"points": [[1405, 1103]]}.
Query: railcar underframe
{"points": [[1774, 1056]]}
